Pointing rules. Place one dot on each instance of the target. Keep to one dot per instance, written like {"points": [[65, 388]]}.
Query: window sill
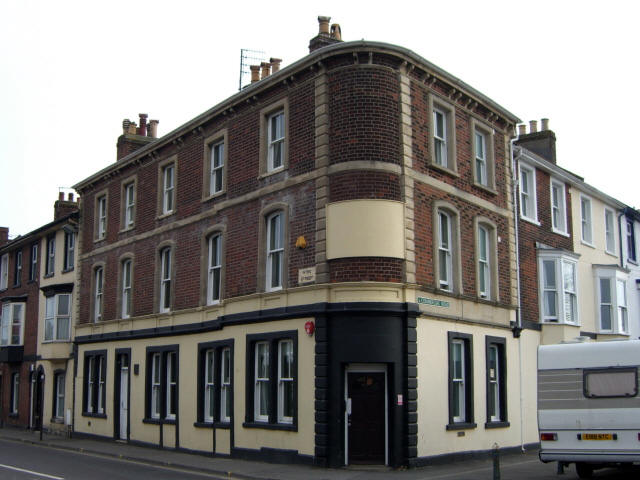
{"points": [[165, 215], [291, 427], [224, 425], [587, 244], [159, 421], [94, 415], [461, 426], [560, 232], [67, 270], [13, 415], [611, 254], [486, 188], [48, 275], [632, 261], [447, 170], [214, 195], [534, 221], [99, 239], [563, 324], [66, 340], [271, 172], [128, 229], [16, 285], [58, 420], [500, 424]]}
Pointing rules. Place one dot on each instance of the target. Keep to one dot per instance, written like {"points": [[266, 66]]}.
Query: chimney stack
{"points": [[266, 69], [325, 37], [4, 235], [542, 143], [142, 131], [134, 137], [153, 128], [255, 73], [275, 64], [64, 207]]}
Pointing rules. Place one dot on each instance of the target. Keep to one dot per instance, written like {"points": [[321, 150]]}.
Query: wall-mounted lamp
{"points": [[309, 327], [301, 242]]}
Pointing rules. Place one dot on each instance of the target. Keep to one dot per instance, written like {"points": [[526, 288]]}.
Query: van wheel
{"points": [[584, 470]]}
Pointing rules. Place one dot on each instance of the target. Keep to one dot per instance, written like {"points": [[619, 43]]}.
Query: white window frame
{"points": [[586, 220], [480, 166], [126, 293], [225, 385], [102, 217], [216, 155], [33, 268], [484, 262], [609, 231], [172, 385], [459, 381], [285, 381], [90, 382], [558, 207], [214, 269], [130, 204], [275, 252], [260, 381], [276, 143], [559, 261], [69, 250], [59, 395], [53, 319], [168, 188], [156, 385], [17, 273], [528, 193], [165, 280], [209, 385], [618, 299], [445, 252], [493, 396], [50, 266], [98, 289], [11, 321], [4, 271], [440, 143]]}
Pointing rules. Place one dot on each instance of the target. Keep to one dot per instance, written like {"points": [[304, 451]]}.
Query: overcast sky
{"points": [[71, 71]]}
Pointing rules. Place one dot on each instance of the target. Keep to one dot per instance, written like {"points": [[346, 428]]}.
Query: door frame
{"points": [[117, 434], [367, 368]]}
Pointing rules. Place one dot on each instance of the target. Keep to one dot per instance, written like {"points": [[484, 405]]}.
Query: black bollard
{"points": [[496, 462]]}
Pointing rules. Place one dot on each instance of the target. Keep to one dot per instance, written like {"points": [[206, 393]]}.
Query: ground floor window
{"points": [[95, 373], [162, 383], [460, 381], [271, 388], [15, 393], [215, 396], [496, 373], [58, 395]]}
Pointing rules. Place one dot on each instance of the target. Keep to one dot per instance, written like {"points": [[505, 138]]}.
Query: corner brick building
{"points": [[319, 269]]}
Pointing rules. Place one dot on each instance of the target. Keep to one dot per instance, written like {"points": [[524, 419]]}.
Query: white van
{"points": [[588, 404]]}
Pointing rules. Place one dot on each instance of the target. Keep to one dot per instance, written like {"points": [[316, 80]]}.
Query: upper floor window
{"points": [[586, 223], [126, 294], [4, 271], [165, 279], [442, 141], [214, 272], [129, 204], [17, 271], [558, 207], [33, 263], [528, 202], [276, 134], [609, 231], [631, 242], [445, 251], [440, 154], [483, 155], [12, 324], [101, 214], [558, 287], [69, 250], [216, 180], [275, 251], [168, 188], [51, 256], [611, 286], [98, 279], [57, 317], [487, 261]]}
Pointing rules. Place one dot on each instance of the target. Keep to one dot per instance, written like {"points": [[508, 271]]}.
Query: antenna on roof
{"points": [[248, 57]]}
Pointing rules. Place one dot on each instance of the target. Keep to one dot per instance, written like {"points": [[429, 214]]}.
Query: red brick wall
{"points": [[366, 269], [529, 234], [364, 185]]}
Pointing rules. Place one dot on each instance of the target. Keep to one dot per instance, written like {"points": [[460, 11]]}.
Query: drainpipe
{"points": [[518, 327]]}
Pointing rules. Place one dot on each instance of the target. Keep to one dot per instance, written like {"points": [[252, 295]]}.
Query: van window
{"points": [[611, 382]]}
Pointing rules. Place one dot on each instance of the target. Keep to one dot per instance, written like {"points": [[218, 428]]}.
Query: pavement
{"points": [[251, 470]]}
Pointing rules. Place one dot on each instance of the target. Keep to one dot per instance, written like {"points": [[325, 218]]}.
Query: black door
{"points": [[367, 420]]}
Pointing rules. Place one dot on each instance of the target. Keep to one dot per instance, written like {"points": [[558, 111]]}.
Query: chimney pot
{"points": [[126, 123], [266, 69], [255, 73], [533, 126], [132, 128], [545, 124], [70, 197], [323, 25], [336, 33], [522, 129], [153, 128], [275, 64], [143, 124], [61, 196]]}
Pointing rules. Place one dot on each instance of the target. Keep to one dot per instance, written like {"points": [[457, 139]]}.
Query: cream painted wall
{"points": [[199, 438], [590, 255], [365, 228], [433, 402]]}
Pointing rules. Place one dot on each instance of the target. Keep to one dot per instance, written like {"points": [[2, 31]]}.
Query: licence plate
{"points": [[597, 436]]}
